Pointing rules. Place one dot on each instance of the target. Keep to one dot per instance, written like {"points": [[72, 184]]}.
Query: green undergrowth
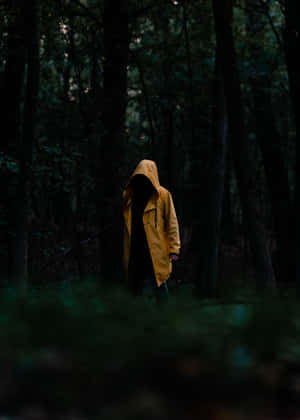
{"points": [[99, 328]]}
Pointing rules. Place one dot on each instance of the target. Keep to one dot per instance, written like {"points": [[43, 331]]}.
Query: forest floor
{"points": [[76, 352]]}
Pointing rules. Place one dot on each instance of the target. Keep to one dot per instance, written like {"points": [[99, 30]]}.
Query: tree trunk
{"points": [[13, 79], [26, 149], [271, 148], [292, 49], [190, 74], [209, 259], [223, 14], [111, 150], [164, 150], [148, 110], [227, 223], [169, 160], [277, 179], [10, 111]]}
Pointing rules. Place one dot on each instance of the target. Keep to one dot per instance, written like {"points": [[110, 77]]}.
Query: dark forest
{"points": [[210, 91]]}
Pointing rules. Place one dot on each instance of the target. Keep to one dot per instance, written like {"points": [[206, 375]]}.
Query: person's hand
{"points": [[174, 257]]}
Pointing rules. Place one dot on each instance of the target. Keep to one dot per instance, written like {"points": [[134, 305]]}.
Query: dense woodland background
{"points": [[207, 89], [210, 90]]}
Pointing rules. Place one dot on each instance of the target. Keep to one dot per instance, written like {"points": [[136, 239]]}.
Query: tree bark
{"points": [[11, 118], [147, 105], [292, 49], [227, 223], [26, 148], [13, 78], [167, 97], [111, 148], [271, 147], [223, 15], [165, 142], [190, 71], [209, 260], [277, 180]]}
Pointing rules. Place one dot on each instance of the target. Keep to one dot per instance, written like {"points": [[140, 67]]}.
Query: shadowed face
{"points": [[141, 184]]}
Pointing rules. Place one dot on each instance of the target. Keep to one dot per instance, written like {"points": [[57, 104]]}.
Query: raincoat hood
{"points": [[147, 168]]}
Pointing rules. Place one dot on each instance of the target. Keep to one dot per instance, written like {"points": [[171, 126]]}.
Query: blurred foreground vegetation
{"points": [[78, 351]]}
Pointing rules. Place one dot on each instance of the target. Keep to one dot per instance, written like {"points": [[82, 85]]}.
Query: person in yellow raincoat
{"points": [[151, 232]]}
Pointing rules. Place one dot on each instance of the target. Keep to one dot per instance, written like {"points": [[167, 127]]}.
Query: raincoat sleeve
{"points": [[172, 227]]}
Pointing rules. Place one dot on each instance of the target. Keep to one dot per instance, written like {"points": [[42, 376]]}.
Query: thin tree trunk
{"points": [[227, 224], [26, 149], [278, 183], [165, 150], [271, 148], [11, 118], [192, 141], [110, 159], [292, 49], [169, 161], [13, 79], [148, 107], [190, 71], [223, 14], [209, 261]]}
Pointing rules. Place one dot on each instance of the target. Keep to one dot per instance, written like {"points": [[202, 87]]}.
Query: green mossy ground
{"points": [[79, 346]]}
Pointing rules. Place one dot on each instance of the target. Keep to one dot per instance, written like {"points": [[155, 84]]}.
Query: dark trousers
{"points": [[142, 278]]}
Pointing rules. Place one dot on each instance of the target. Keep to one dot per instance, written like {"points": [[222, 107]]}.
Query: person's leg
{"points": [[151, 289], [136, 277], [142, 279], [162, 292]]}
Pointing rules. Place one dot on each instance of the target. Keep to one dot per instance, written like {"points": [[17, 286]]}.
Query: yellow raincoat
{"points": [[160, 224]]}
